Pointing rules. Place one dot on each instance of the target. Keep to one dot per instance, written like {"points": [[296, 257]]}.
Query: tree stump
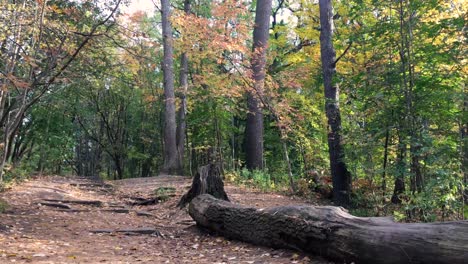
{"points": [[331, 232], [207, 181]]}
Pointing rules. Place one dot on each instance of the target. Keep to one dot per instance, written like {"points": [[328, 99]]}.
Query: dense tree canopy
{"points": [[83, 91]]}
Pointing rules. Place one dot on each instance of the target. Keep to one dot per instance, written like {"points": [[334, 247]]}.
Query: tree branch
{"points": [[344, 53]]}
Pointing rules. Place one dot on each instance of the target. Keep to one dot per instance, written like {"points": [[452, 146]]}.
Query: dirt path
{"points": [[33, 232]]}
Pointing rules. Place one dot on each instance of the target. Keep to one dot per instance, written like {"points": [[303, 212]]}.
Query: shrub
{"points": [[257, 179], [164, 193], [3, 206]]}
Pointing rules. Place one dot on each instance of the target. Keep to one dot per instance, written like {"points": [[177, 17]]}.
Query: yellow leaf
{"points": [[295, 256]]}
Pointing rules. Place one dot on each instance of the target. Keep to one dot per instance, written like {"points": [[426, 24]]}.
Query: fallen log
{"points": [[92, 184], [116, 210], [141, 201], [56, 205], [333, 233], [129, 231], [75, 210], [144, 201], [116, 205], [143, 213], [109, 210], [82, 202]]}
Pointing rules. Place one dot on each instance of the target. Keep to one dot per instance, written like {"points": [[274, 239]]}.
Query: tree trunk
{"points": [[182, 127], [341, 177], [171, 163], [385, 160], [288, 163], [254, 126], [207, 181], [118, 167], [7, 107], [399, 187], [464, 150], [333, 233]]}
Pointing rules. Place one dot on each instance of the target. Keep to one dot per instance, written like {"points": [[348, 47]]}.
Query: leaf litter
{"points": [[33, 233]]}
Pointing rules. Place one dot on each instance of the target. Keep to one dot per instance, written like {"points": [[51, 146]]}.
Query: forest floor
{"points": [[40, 226]]}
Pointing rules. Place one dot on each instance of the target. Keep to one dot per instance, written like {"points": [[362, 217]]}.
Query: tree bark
{"points": [[171, 163], [183, 82], [399, 187], [254, 126], [385, 160], [207, 181], [333, 233], [464, 150], [182, 125], [341, 177], [288, 163]]}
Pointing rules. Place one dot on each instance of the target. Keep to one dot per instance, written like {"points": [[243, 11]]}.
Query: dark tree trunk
{"points": [[464, 148], [333, 233], [207, 181], [171, 163], [400, 175], [19, 147], [464, 154], [398, 190], [183, 80], [254, 126], [341, 177], [416, 174], [385, 160], [118, 167], [146, 168]]}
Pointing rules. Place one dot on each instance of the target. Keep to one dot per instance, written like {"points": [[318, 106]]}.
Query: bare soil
{"points": [[31, 232]]}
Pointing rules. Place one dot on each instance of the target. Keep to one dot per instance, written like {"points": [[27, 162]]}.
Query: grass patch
{"points": [[3, 206], [164, 193], [260, 180]]}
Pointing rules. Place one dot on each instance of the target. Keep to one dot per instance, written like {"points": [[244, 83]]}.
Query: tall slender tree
{"points": [[341, 177], [254, 126], [171, 159], [464, 150], [183, 82]]}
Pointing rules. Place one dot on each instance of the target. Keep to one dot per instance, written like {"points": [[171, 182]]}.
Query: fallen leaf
{"points": [[295, 256]]}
